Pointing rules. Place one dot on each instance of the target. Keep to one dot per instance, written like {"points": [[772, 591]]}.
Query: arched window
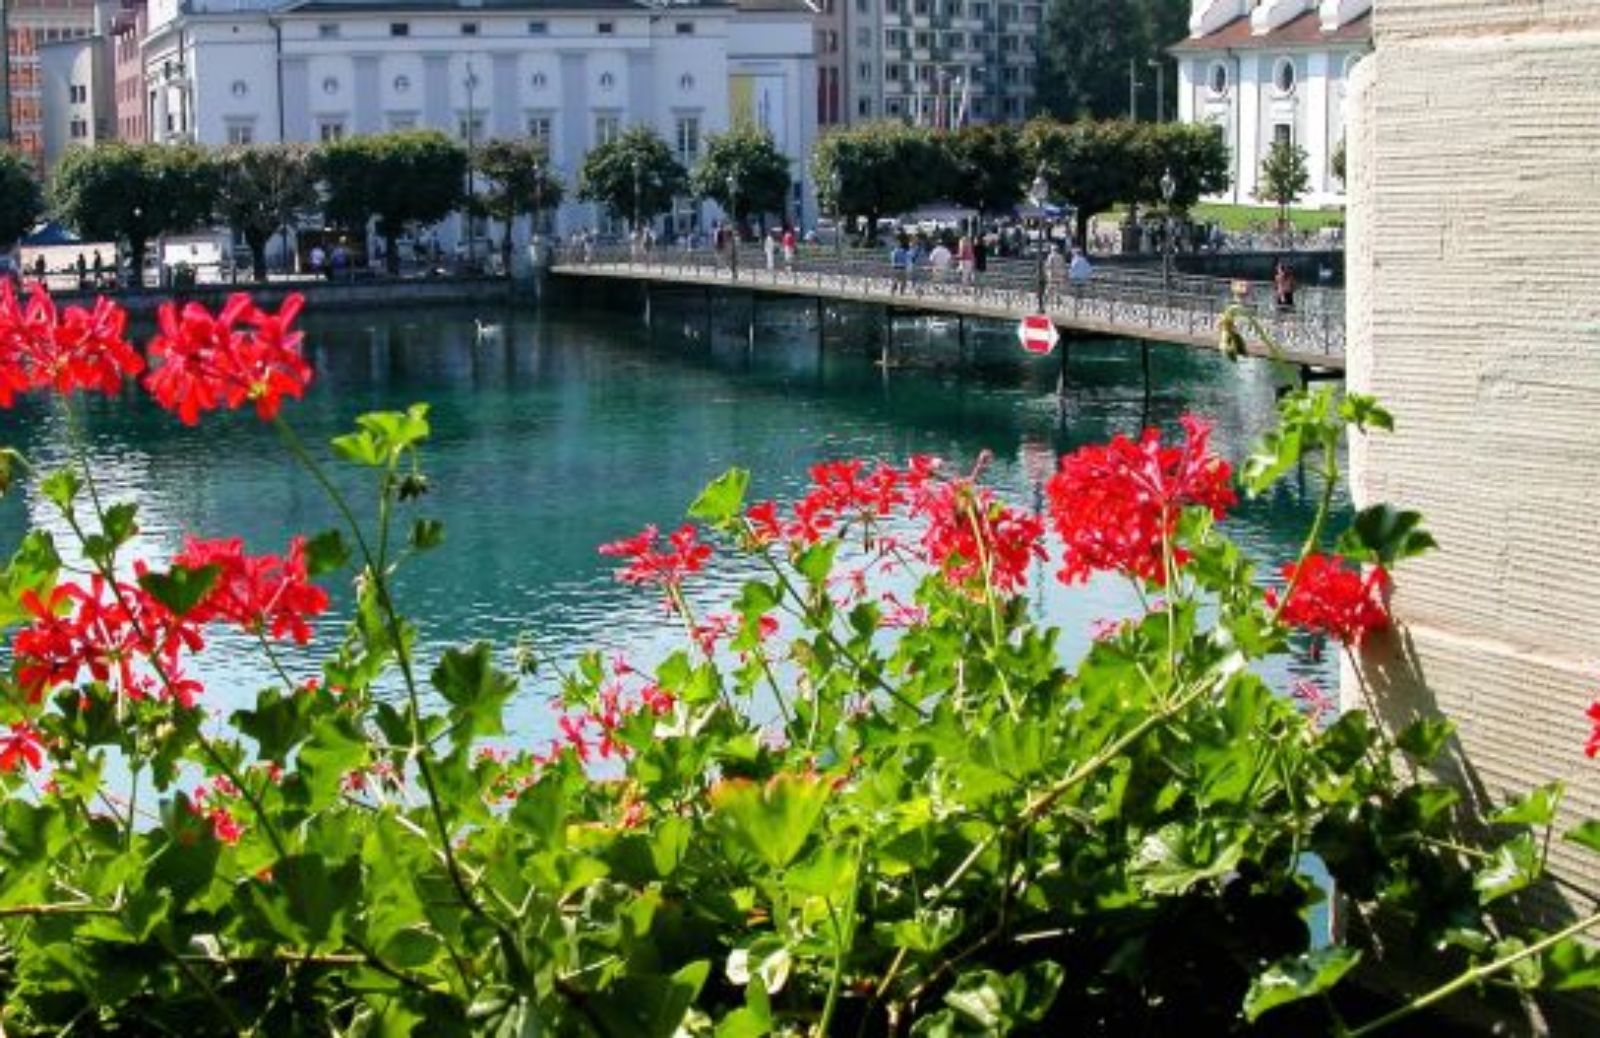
{"points": [[1283, 75], [1217, 78]]}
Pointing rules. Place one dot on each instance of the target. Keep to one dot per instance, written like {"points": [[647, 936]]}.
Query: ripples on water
{"points": [[563, 430]]}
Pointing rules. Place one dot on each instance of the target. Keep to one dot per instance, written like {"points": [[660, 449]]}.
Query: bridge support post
{"points": [[649, 316], [961, 338], [822, 326], [888, 337], [1061, 374]]}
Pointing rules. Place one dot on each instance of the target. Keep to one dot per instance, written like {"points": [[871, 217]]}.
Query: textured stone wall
{"points": [[1474, 279]]}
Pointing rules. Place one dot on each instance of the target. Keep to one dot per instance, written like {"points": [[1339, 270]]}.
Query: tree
{"points": [[133, 191], [986, 166], [1093, 165], [1283, 178], [1085, 47], [1336, 160], [409, 176], [749, 156], [634, 171], [1194, 153], [20, 199], [883, 168], [261, 189], [520, 181]]}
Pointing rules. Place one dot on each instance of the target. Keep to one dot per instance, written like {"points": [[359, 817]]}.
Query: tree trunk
{"points": [[391, 251], [136, 247], [258, 254], [1080, 222], [505, 245]]}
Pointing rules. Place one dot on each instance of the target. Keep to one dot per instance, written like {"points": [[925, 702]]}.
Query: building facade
{"points": [[75, 95], [572, 74], [1269, 70], [126, 42], [30, 25]]}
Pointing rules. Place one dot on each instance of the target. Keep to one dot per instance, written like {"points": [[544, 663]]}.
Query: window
{"points": [[686, 82], [607, 81], [863, 6], [328, 31], [402, 84], [399, 28], [1217, 79], [540, 80], [403, 122], [684, 28], [538, 28], [606, 28], [891, 6], [955, 40], [470, 129], [924, 40], [925, 73], [891, 73], [891, 106], [1283, 75], [1008, 12], [1008, 74], [539, 131], [863, 106], [330, 85], [980, 11], [1030, 15], [241, 133], [239, 88], [894, 38], [688, 139], [919, 6], [469, 28], [330, 130], [79, 94], [607, 128], [80, 129], [1283, 133], [1008, 44], [953, 8], [864, 72]]}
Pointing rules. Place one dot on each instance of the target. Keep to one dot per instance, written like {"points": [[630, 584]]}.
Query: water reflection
{"points": [[562, 430]]}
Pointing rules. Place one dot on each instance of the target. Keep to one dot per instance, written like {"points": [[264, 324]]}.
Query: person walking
{"points": [[1079, 270], [964, 257], [1283, 286], [1055, 269], [769, 248], [788, 247], [900, 266]]}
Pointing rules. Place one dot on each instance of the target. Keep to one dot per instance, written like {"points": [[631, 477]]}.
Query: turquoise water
{"points": [[558, 431]]}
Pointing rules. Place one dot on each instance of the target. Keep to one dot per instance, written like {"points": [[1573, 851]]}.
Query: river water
{"points": [[556, 431]]}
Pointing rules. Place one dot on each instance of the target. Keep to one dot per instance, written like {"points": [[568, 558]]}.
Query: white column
{"points": [[1250, 90], [1319, 69]]}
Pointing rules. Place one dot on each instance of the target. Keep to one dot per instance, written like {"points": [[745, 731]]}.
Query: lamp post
{"points": [[637, 170], [836, 182], [1161, 88], [1039, 193], [1169, 187], [471, 83], [733, 214]]}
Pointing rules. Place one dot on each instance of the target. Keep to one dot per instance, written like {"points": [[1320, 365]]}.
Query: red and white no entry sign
{"points": [[1038, 333]]}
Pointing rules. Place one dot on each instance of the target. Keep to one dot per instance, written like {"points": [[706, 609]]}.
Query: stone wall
{"points": [[1474, 309]]}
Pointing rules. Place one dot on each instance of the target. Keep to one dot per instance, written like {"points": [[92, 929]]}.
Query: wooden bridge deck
{"points": [[1112, 303]]}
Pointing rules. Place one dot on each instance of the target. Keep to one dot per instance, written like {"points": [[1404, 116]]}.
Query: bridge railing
{"points": [[1186, 307]]}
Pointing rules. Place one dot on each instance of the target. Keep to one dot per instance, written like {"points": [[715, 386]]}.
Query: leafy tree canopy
{"points": [[20, 200], [1085, 47], [118, 191], [882, 168], [262, 188], [750, 157], [608, 174], [987, 165], [410, 176]]}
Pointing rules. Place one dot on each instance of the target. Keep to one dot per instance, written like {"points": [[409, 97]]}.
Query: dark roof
{"points": [[1304, 31], [455, 7]]}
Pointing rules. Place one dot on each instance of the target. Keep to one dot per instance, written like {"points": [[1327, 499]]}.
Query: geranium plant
{"points": [[869, 796]]}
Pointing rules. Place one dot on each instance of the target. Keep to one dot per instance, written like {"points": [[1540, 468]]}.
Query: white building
{"points": [[573, 73], [75, 94], [1266, 70]]}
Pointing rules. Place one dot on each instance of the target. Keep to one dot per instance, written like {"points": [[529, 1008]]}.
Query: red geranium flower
{"points": [[119, 635], [966, 524], [1592, 747], [1330, 599], [1116, 506], [646, 565], [243, 354], [257, 592], [23, 744], [80, 349]]}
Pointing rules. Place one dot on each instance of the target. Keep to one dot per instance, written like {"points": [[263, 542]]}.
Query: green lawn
{"points": [[1252, 217]]}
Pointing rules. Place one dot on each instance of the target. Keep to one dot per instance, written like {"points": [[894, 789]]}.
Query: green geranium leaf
{"points": [[1572, 965], [1385, 535], [1302, 976], [1538, 808], [773, 820], [476, 690], [326, 552], [1363, 412], [650, 1005], [181, 588], [1423, 740], [61, 488], [279, 723], [361, 448], [1174, 858], [1515, 864], [1585, 834], [722, 499]]}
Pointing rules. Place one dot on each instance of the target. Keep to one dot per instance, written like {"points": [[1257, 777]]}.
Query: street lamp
{"points": [[471, 83], [733, 214], [637, 169], [1169, 187], [836, 182]]}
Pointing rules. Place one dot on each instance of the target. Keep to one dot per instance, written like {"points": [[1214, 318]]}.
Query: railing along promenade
{"points": [[1112, 302]]}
